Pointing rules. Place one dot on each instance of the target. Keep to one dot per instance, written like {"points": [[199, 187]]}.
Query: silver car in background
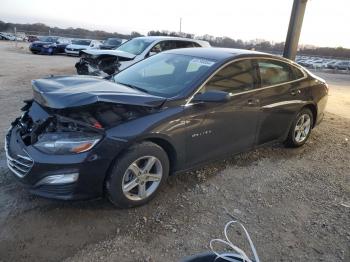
{"points": [[78, 45]]}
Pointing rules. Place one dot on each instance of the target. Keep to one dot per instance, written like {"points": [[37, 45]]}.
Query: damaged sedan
{"points": [[108, 62], [84, 137]]}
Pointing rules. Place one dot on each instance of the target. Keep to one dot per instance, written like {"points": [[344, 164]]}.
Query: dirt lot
{"points": [[295, 202]]}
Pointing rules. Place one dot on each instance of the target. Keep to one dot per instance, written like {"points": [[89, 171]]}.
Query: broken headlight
{"points": [[62, 143]]}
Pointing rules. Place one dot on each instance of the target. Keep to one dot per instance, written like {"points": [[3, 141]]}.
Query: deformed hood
{"points": [[112, 52], [73, 91]]}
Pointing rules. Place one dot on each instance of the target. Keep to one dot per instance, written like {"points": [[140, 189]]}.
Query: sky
{"points": [[326, 23]]}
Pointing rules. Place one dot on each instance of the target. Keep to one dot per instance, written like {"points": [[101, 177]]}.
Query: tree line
{"points": [[261, 45]]}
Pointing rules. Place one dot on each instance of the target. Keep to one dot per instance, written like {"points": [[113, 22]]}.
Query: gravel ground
{"points": [[294, 202]]}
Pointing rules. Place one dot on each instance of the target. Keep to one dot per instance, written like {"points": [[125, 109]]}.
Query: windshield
{"points": [[81, 42], [113, 41], [135, 46], [165, 75], [48, 39]]}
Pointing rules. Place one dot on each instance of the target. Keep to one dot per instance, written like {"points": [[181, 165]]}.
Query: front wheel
{"points": [[300, 129], [137, 175]]}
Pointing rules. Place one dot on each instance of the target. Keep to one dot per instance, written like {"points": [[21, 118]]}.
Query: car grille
{"points": [[19, 164], [74, 49]]}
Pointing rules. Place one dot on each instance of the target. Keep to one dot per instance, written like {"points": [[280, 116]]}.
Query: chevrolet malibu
{"points": [[84, 137]]}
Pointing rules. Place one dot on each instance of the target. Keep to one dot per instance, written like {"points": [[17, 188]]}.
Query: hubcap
{"points": [[302, 128], [142, 178]]}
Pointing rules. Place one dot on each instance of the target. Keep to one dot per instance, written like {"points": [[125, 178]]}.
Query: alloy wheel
{"points": [[142, 178], [302, 128]]}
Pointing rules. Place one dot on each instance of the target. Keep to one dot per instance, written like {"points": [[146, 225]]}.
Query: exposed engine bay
{"points": [[37, 120], [95, 64]]}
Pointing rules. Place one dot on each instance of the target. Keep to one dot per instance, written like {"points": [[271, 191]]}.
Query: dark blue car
{"points": [[49, 45]]}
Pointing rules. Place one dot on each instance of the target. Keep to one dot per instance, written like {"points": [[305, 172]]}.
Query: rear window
{"points": [[273, 72]]}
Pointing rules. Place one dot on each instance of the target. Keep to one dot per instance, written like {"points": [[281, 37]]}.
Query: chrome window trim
{"points": [[282, 103], [255, 89]]}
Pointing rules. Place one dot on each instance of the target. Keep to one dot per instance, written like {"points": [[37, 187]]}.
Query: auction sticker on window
{"points": [[196, 63]]}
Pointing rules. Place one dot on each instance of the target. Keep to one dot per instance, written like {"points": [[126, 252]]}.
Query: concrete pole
{"points": [[180, 24], [294, 29], [15, 37]]}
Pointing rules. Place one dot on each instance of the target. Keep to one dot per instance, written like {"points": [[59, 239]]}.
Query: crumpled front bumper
{"points": [[30, 166]]}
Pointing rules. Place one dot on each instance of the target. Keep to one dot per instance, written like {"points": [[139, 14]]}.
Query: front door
{"points": [[214, 129]]}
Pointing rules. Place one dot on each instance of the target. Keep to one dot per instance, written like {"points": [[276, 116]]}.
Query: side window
{"points": [[235, 78], [273, 72], [156, 49], [163, 46], [297, 73], [167, 45], [184, 44]]}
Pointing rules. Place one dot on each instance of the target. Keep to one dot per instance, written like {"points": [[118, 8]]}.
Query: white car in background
{"points": [[107, 62], [318, 64], [7, 36], [78, 45]]}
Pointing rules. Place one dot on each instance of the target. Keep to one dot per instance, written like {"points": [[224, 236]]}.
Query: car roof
{"points": [[218, 53], [160, 38]]}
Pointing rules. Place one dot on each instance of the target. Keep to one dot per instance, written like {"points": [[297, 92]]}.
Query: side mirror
{"points": [[212, 96], [152, 53]]}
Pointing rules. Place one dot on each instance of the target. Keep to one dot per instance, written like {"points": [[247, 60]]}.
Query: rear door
{"points": [[281, 95]]}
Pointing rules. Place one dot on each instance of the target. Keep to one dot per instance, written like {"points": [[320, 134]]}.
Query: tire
{"points": [[82, 68], [297, 138], [127, 184]]}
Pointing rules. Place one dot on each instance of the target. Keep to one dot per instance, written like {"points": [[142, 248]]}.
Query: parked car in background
{"points": [[329, 63], [318, 64], [78, 45], [107, 62], [7, 36], [32, 38], [342, 65], [111, 43], [85, 137], [49, 45]]}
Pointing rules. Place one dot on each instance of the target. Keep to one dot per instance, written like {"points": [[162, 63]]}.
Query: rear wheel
{"points": [[137, 175], [300, 129]]}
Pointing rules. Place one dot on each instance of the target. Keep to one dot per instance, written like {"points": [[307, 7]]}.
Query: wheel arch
{"points": [[164, 143], [313, 109], [167, 147]]}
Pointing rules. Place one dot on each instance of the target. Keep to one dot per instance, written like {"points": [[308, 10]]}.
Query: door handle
{"points": [[294, 92]]}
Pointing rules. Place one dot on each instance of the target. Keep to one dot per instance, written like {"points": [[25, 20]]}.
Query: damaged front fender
{"points": [[101, 62]]}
